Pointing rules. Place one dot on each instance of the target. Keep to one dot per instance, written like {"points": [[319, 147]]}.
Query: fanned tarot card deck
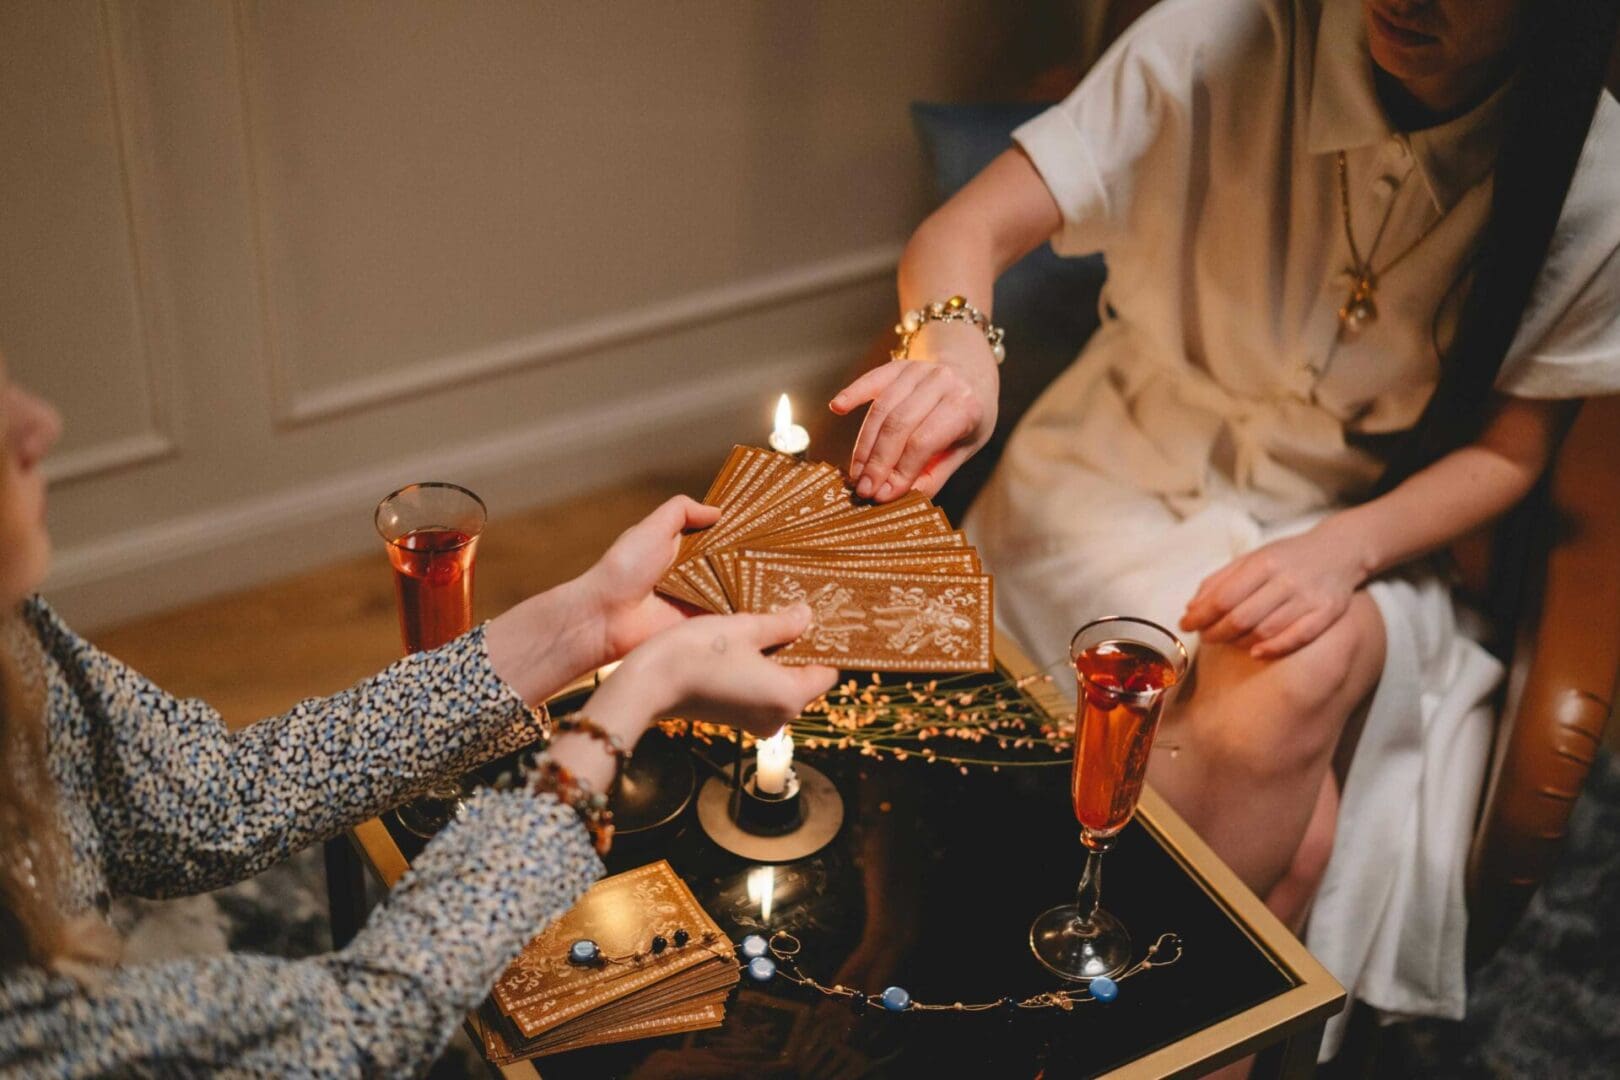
{"points": [[890, 587]]}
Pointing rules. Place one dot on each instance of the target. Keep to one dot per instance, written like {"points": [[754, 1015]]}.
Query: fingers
{"points": [[1249, 613], [775, 627], [953, 418], [940, 470], [899, 430], [810, 682], [1224, 590], [866, 388], [700, 515], [1286, 614], [911, 373], [675, 515], [1300, 634]]}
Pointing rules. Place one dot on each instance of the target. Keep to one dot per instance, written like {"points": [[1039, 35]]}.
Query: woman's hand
{"points": [[550, 639], [620, 585], [928, 414], [712, 668], [1280, 597]]}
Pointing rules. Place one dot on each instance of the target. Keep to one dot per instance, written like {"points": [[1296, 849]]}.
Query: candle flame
{"points": [[784, 415], [781, 743]]}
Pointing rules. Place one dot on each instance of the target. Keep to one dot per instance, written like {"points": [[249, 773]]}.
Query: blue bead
{"points": [[761, 969], [583, 951], [754, 945], [896, 999], [1104, 989]]}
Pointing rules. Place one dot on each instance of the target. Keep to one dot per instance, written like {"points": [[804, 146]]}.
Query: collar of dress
{"points": [[1344, 112]]}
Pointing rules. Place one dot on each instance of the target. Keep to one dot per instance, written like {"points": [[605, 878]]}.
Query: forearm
{"points": [[1448, 500], [384, 1006], [548, 640], [194, 806], [1002, 215], [949, 254], [1459, 493]]}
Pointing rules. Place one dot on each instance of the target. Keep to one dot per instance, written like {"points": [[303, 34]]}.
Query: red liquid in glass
{"points": [[433, 574], [1114, 734]]}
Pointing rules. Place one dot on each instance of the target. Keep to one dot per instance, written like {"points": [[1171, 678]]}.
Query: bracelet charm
{"points": [[955, 309], [584, 725], [546, 776]]}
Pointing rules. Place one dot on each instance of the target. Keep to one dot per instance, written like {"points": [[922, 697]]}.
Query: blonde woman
{"points": [[109, 786]]}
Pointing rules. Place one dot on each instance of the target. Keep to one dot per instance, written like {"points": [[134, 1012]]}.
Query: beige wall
{"points": [[273, 259]]}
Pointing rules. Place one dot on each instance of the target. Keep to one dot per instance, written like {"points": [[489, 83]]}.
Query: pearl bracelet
{"points": [[955, 309]]}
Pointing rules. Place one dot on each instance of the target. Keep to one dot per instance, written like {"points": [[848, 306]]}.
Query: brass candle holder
{"points": [[770, 827]]}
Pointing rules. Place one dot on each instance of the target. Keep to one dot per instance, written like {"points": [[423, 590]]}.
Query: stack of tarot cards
{"points": [[546, 1003], [890, 587]]}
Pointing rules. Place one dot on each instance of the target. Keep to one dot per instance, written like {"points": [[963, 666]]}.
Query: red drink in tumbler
{"points": [[433, 577], [1120, 701]]}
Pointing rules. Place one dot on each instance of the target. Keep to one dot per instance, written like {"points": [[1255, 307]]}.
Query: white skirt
{"points": [[1067, 545]]}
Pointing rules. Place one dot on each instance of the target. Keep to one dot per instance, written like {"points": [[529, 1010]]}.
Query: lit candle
{"points": [[788, 437], [607, 669], [773, 762]]}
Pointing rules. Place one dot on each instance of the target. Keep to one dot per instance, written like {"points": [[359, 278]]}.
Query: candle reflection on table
{"points": [[762, 890]]}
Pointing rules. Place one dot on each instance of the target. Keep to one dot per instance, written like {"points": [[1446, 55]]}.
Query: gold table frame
{"points": [[1292, 1021]]}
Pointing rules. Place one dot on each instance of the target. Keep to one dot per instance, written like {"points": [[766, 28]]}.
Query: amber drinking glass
{"points": [[432, 533], [1125, 671]]}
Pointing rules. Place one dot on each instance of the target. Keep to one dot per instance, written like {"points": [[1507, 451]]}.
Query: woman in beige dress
{"points": [[1345, 324]]}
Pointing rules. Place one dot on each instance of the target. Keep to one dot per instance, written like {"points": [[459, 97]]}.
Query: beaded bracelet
{"points": [[584, 725], [544, 775], [955, 309]]}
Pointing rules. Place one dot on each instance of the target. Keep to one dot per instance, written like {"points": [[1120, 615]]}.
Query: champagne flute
{"points": [[1125, 671], [432, 533]]}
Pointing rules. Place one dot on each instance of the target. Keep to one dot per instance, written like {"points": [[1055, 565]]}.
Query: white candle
{"points": [[788, 437], [773, 762]]}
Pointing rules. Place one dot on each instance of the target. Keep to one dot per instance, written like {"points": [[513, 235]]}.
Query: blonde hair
{"points": [[34, 927]]}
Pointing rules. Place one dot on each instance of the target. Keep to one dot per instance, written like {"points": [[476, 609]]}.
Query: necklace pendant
{"points": [[1359, 309]]}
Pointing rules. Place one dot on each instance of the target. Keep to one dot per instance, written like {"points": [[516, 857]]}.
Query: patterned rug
{"points": [[1547, 1006]]}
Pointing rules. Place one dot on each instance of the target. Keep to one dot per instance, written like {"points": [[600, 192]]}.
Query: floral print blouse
{"points": [[159, 799]]}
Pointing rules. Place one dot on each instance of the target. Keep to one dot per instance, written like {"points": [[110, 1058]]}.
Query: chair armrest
{"points": [[1561, 684]]}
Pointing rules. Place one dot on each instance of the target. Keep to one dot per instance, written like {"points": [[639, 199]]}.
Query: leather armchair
{"points": [[1565, 654]]}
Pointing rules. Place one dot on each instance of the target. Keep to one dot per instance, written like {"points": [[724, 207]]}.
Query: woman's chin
{"points": [[26, 572]]}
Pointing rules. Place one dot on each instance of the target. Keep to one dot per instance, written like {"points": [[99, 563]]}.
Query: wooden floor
{"points": [[255, 653]]}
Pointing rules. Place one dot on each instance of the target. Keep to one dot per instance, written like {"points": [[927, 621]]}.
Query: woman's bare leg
{"points": [[1290, 898], [1256, 739]]}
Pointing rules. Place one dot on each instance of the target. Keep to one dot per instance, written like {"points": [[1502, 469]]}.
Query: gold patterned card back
{"points": [[877, 620], [621, 914]]}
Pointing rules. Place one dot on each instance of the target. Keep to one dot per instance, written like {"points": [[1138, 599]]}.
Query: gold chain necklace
{"points": [[1360, 309]]}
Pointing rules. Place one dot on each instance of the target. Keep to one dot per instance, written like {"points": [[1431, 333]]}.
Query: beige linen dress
{"points": [[1219, 407]]}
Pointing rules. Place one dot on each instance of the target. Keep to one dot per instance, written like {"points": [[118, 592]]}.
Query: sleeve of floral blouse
{"points": [[185, 805], [384, 1006]]}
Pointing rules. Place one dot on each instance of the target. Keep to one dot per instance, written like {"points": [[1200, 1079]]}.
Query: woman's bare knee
{"points": [[1269, 719]]}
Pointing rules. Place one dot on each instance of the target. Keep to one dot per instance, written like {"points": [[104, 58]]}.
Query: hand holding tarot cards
{"points": [[890, 588]]}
